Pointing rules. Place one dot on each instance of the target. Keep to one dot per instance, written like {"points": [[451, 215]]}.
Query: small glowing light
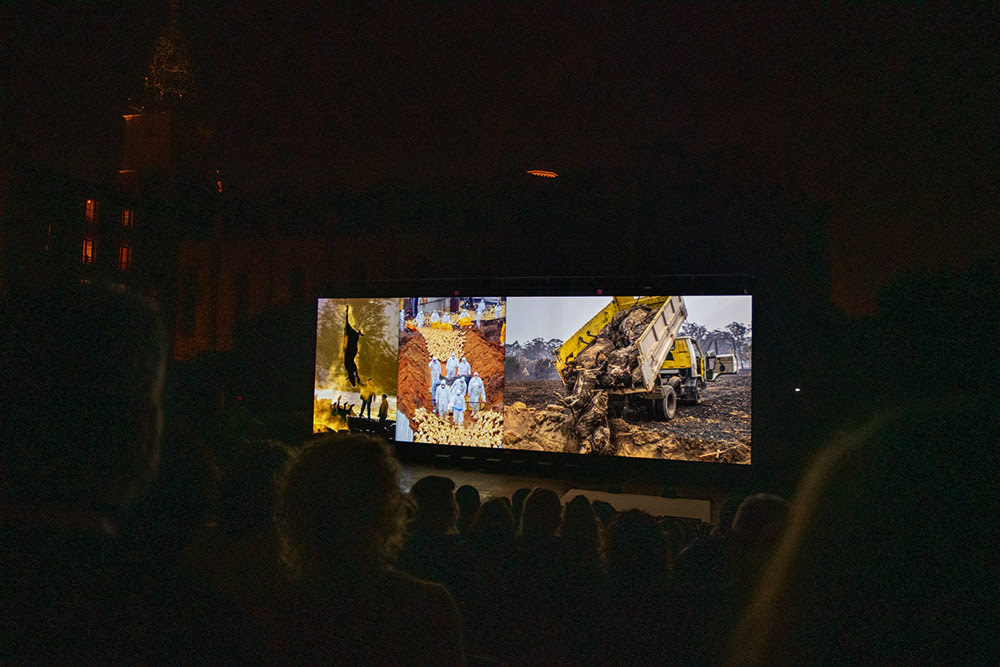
{"points": [[542, 173], [797, 390], [240, 397]]}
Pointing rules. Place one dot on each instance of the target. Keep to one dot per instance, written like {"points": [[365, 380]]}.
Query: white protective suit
{"points": [[479, 312], [464, 368], [420, 319], [443, 400], [458, 403], [451, 366], [435, 382], [458, 387], [477, 392]]}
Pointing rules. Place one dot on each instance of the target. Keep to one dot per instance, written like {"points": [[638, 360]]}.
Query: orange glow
{"points": [[88, 250], [542, 173], [124, 257], [90, 210], [127, 218], [129, 116]]}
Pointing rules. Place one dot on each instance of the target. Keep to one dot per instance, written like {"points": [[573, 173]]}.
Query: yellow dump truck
{"points": [[673, 367]]}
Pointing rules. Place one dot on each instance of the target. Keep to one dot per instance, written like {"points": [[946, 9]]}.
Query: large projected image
{"points": [[652, 377], [662, 377], [356, 369], [451, 371]]}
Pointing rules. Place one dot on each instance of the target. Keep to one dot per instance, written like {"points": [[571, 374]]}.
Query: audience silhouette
{"points": [[341, 521], [125, 541]]}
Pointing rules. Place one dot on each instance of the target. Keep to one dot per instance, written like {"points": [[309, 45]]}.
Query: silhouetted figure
{"points": [[540, 634], [890, 552], [605, 511], [584, 565], [383, 409], [239, 553], [492, 534], [351, 338], [81, 420], [341, 520], [467, 497], [640, 620], [517, 504], [367, 397], [491, 539], [758, 525], [434, 551]]}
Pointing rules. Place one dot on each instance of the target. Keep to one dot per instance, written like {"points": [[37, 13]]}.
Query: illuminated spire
{"points": [[169, 75]]}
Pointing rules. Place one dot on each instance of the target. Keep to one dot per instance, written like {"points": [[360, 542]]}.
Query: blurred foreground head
{"points": [[340, 507], [889, 556], [81, 384]]}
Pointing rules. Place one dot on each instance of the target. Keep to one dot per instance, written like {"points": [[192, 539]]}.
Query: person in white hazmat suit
{"points": [[435, 367], [477, 393], [402, 319], [420, 319], [446, 319], [435, 318], [464, 368], [458, 402], [479, 312], [443, 397], [451, 366]]}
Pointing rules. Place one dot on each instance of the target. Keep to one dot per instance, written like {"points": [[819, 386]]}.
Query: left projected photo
{"points": [[357, 343]]}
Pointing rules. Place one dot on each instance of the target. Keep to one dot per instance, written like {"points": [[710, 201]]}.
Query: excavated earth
{"points": [[716, 430], [484, 356]]}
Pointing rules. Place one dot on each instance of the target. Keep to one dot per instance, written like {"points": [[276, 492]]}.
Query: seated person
{"points": [[341, 520]]}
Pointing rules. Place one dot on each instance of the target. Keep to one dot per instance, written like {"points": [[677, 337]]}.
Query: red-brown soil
{"points": [[486, 358], [414, 389]]}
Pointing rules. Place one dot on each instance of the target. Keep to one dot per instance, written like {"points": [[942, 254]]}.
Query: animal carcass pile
{"points": [[610, 361]]}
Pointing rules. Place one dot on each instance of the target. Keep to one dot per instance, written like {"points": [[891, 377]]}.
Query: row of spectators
{"points": [[117, 547]]}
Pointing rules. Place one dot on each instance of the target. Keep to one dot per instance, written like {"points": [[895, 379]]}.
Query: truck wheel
{"points": [[665, 408], [692, 396]]}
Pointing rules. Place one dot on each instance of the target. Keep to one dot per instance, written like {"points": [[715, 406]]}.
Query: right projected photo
{"points": [[664, 377]]}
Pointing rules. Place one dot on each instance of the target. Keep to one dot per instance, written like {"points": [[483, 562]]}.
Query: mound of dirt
{"points": [[548, 430], [414, 389], [486, 358]]}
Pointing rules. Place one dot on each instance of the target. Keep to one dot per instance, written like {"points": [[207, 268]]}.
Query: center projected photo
{"points": [[664, 377], [451, 371]]}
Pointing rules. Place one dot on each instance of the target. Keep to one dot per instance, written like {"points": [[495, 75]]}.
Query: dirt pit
{"points": [[414, 389], [718, 429]]}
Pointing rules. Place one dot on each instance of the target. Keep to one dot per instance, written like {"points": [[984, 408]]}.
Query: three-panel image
{"points": [[665, 377]]}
